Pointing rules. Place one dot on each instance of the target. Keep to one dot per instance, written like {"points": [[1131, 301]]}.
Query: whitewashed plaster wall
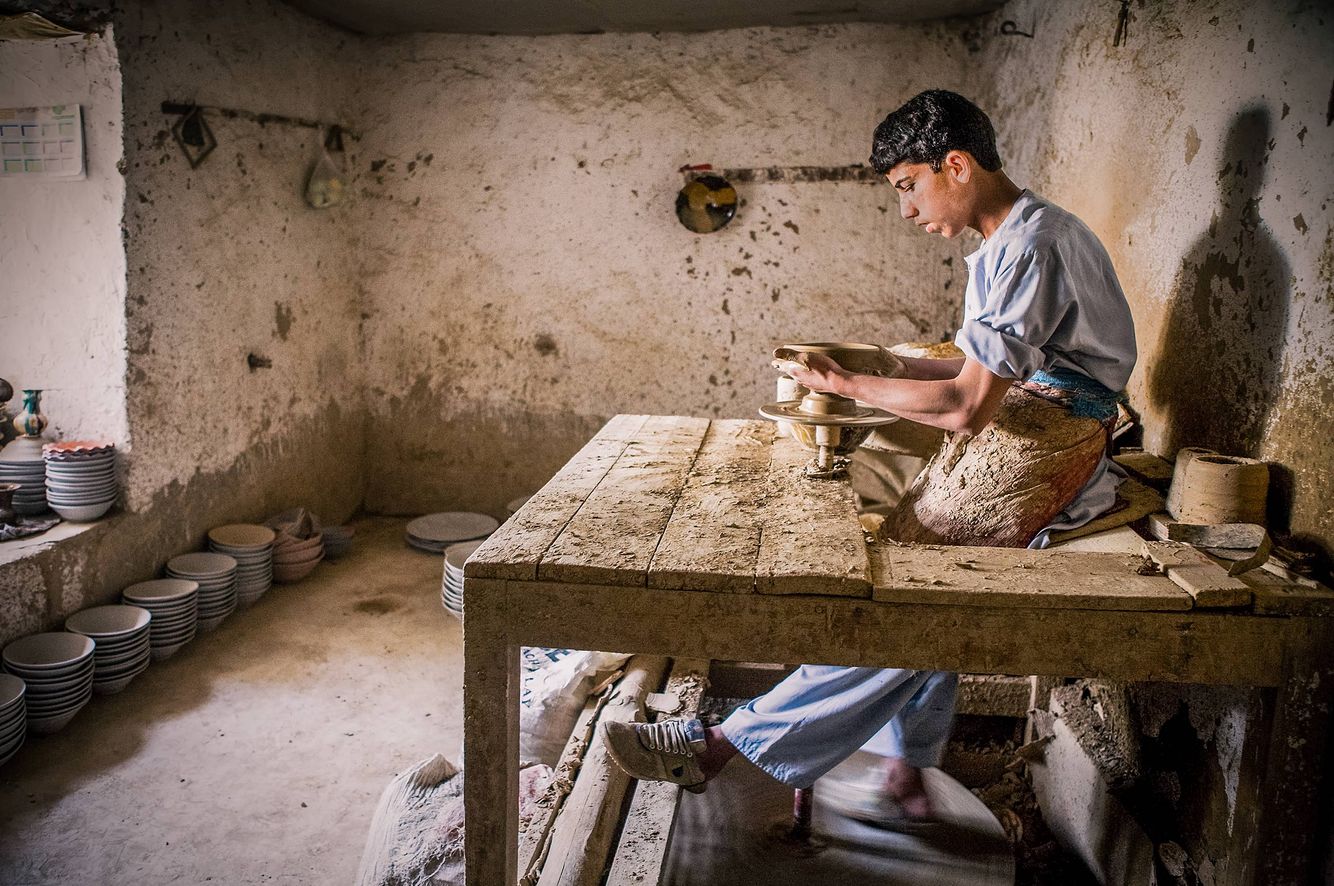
{"points": [[62, 267], [525, 273]]}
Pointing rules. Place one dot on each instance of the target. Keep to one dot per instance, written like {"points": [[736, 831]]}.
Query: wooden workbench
{"points": [[698, 538]]}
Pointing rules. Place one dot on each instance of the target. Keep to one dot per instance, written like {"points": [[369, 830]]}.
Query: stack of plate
{"points": [[13, 716], [252, 548], [173, 603], [58, 668], [451, 588], [435, 532], [216, 575], [23, 465], [120, 640], [80, 478]]}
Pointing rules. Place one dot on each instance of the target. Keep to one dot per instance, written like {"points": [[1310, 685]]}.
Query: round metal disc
{"points": [[706, 203]]}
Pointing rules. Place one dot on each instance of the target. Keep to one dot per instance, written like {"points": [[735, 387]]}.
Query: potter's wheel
{"points": [[857, 417], [830, 426]]}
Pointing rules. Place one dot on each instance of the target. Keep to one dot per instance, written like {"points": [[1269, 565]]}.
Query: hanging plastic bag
{"points": [[327, 184]]}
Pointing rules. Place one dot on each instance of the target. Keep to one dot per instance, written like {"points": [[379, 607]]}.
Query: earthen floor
{"points": [[257, 753]]}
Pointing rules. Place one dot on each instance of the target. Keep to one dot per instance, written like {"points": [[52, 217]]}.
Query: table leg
{"points": [[1290, 827], [490, 738]]}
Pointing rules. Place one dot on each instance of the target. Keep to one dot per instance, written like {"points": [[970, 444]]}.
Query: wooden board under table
{"points": [[690, 537]]}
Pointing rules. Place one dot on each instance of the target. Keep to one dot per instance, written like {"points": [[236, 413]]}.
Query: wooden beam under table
{"points": [[1186, 647]]}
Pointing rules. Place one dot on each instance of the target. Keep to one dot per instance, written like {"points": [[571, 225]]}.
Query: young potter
{"points": [[1049, 345]]}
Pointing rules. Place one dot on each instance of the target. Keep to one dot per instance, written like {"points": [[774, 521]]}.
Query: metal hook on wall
{"points": [[193, 135]]}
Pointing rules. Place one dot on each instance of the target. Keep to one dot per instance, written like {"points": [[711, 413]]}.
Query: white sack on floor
{"points": [[552, 697], [416, 835]]}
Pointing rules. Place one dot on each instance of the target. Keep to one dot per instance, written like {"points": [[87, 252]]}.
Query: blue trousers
{"points": [[820, 714]]}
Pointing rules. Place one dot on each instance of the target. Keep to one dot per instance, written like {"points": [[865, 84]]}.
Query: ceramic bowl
{"points": [[288, 546], [49, 725], [160, 591], [202, 565], [108, 621], [82, 513], [51, 651], [242, 535], [11, 692]]}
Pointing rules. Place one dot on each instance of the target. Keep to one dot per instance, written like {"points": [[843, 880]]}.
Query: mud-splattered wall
{"points": [[227, 260], [526, 276], [62, 295], [1200, 151], [222, 261]]}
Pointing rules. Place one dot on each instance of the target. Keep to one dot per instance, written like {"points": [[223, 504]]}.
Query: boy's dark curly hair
{"points": [[929, 126]]}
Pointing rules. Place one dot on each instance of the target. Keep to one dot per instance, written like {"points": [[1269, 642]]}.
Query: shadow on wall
{"points": [[1217, 371]]}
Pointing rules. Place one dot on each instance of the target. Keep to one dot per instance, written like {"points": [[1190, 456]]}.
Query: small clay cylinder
{"points": [[1185, 456], [1224, 489]]}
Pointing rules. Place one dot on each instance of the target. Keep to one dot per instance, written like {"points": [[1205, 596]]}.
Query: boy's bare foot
{"points": [[904, 784]]}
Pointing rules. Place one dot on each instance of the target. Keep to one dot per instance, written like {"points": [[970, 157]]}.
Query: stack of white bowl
{"points": [[451, 588], [173, 603], [80, 478], [13, 716], [121, 643], [435, 532], [252, 548], [23, 465], [216, 575], [58, 668]]}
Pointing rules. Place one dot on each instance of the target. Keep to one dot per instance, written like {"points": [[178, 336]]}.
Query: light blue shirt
{"points": [[1042, 294]]}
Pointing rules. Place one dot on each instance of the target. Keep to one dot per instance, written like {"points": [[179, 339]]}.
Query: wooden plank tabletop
{"points": [[722, 506]]}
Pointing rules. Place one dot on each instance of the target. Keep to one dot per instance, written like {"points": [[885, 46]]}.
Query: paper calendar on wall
{"points": [[42, 142]]}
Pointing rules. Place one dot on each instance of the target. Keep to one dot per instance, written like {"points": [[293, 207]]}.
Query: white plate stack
{"points": [[435, 532], [58, 668], [251, 546], [451, 587], [13, 716], [80, 478], [120, 640], [23, 465], [216, 575], [173, 603]]}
